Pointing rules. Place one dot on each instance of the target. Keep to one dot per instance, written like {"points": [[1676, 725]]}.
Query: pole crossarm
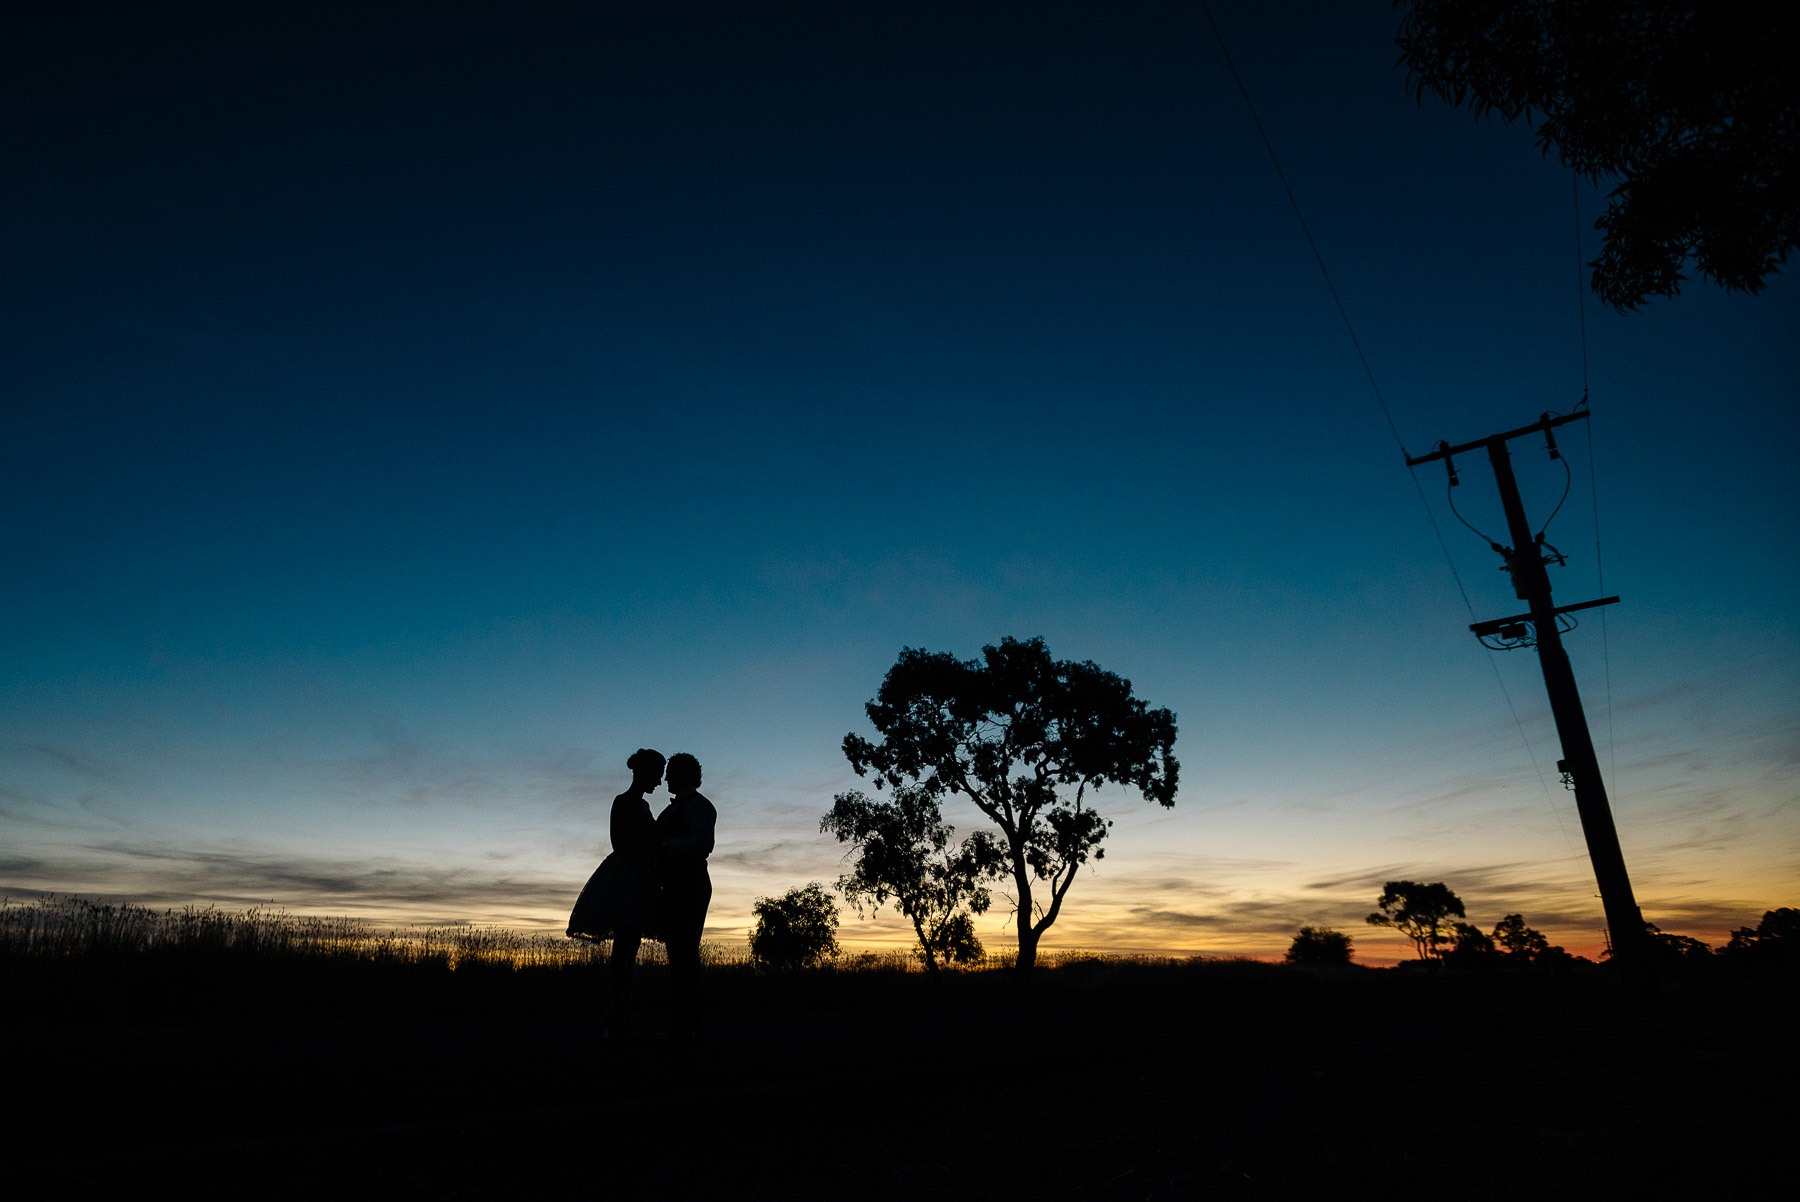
{"points": [[1547, 422], [1493, 625]]}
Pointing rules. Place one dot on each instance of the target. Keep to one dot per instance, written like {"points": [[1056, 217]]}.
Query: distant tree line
{"points": [[1774, 943], [1434, 918], [903, 854], [1430, 915]]}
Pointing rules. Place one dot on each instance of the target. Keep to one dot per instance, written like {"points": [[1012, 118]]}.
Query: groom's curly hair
{"points": [[681, 763]]}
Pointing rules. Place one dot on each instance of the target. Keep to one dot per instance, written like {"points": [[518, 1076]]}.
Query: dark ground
{"points": [[1230, 1081]]}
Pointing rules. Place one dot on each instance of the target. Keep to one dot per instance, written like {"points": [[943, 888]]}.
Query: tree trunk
{"points": [[931, 968], [1027, 957], [1028, 935]]}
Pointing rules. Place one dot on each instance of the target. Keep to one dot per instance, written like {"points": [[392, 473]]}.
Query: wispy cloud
{"points": [[390, 888], [1267, 916], [779, 860], [64, 759]]}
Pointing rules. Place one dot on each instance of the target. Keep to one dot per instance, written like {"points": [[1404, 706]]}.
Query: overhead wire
{"points": [[1580, 284], [1612, 746], [1330, 287], [1304, 228], [1381, 400]]}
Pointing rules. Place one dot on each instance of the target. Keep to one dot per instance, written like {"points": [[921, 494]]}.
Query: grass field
{"points": [[266, 1056]]}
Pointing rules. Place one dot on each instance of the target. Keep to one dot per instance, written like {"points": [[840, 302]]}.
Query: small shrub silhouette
{"points": [[1319, 945], [796, 930], [957, 942]]}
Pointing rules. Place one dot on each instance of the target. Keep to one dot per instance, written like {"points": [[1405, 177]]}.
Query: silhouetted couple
{"points": [[654, 885]]}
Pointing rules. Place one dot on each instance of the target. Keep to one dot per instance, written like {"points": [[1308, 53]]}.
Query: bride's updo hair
{"points": [[644, 761]]}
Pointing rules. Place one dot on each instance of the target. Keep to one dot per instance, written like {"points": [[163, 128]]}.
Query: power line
{"points": [[1304, 228], [1380, 400], [1344, 314], [1580, 287], [1612, 746]]}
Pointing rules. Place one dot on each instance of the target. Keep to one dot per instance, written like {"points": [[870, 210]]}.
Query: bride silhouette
{"points": [[620, 901]]}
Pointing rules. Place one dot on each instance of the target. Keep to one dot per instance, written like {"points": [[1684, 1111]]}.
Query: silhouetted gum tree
{"points": [[903, 854], [1420, 912], [1521, 943], [1023, 737], [1692, 107]]}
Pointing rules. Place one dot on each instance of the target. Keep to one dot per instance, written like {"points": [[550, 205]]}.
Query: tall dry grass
{"points": [[76, 927], [73, 960], [70, 927]]}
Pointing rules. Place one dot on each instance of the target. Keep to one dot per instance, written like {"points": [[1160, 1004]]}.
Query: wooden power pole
{"points": [[1525, 561]]}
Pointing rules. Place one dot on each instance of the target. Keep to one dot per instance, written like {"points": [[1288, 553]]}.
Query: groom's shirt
{"points": [[687, 833]]}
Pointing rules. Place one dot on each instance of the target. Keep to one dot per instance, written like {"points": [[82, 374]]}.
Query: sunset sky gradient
{"points": [[408, 417]]}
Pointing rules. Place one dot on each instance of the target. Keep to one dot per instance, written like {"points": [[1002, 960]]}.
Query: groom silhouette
{"points": [[684, 831]]}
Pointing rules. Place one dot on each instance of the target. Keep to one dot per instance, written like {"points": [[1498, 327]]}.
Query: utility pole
{"points": [[1525, 561]]}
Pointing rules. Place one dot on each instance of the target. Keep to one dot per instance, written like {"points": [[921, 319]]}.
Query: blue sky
{"points": [[408, 420]]}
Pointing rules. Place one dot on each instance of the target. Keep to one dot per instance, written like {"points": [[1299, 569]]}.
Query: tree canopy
{"points": [[1693, 108], [1422, 913], [1023, 737], [1774, 943], [904, 855]]}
